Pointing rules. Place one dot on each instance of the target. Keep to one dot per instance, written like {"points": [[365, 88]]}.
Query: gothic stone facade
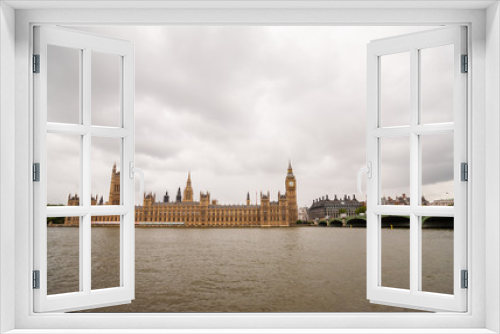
{"points": [[206, 212], [114, 199], [324, 207]]}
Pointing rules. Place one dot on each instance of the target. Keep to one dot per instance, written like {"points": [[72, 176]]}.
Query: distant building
{"points": [[400, 200], [206, 212], [114, 199], [303, 214], [324, 207], [443, 202]]}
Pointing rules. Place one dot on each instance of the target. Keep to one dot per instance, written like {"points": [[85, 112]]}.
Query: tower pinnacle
{"points": [[291, 195], [114, 188], [188, 191], [179, 196], [290, 170]]}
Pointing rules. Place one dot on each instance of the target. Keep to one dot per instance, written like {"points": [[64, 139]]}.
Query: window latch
{"points": [[132, 170], [368, 171]]}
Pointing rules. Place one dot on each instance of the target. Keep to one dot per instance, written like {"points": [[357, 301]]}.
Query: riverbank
{"points": [[397, 226], [114, 224]]}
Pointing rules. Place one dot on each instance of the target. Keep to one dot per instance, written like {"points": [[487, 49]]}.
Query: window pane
{"points": [[395, 89], [63, 84], [106, 87], [395, 248], [436, 84], [395, 170], [105, 252], [63, 169], [63, 255], [437, 169], [106, 167], [437, 254]]}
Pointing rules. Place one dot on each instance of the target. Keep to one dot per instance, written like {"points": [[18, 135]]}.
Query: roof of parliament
{"points": [[323, 201], [179, 197]]}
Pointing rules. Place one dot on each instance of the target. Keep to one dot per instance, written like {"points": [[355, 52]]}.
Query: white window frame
{"points": [[415, 297], [483, 21], [86, 44]]}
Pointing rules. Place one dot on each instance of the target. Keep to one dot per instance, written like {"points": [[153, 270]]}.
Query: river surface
{"points": [[302, 269]]}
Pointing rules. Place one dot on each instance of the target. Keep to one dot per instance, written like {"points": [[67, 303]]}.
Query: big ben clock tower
{"points": [[291, 195]]}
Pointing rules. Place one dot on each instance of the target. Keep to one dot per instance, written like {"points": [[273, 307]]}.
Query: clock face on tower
{"points": [[290, 183]]}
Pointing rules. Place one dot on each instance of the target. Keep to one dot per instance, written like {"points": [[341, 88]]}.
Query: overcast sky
{"points": [[234, 104]]}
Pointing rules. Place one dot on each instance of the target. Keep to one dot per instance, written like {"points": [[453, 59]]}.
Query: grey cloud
{"points": [[233, 104]]}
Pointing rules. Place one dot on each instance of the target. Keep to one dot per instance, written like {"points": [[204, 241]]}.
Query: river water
{"points": [[302, 269]]}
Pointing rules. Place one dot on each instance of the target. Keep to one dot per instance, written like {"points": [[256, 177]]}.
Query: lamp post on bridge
{"points": [[343, 216]]}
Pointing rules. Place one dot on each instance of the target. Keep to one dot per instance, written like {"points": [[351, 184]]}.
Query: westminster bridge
{"points": [[389, 222]]}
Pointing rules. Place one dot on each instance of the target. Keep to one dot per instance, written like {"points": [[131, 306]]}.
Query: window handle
{"points": [[368, 171], [133, 170]]}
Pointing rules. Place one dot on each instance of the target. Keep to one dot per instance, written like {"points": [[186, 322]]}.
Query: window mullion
{"points": [[372, 185], [85, 227], [85, 254], [414, 171], [460, 155], [79, 126]]}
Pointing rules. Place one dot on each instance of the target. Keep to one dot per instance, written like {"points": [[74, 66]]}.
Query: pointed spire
{"points": [[166, 197], [188, 191], [179, 196], [248, 196], [290, 170]]}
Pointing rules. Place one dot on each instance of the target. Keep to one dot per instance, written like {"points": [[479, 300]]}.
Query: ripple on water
{"points": [[249, 269]]}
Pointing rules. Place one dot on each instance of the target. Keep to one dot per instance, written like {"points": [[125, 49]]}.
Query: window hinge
{"points": [[464, 171], [36, 63], [465, 279], [36, 279], [465, 64], [36, 172]]}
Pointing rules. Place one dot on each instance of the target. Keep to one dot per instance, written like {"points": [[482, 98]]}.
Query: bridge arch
{"points": [[437, 222], [396, 221], [322, 223], [357, 222], [335, 223]]}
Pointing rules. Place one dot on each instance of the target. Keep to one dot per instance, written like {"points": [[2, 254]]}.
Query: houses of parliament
{"points": [[184, 210]]}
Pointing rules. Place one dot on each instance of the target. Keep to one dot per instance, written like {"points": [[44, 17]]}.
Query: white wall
{"points": [[478, 125], [492, 164], [7, 160]]}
